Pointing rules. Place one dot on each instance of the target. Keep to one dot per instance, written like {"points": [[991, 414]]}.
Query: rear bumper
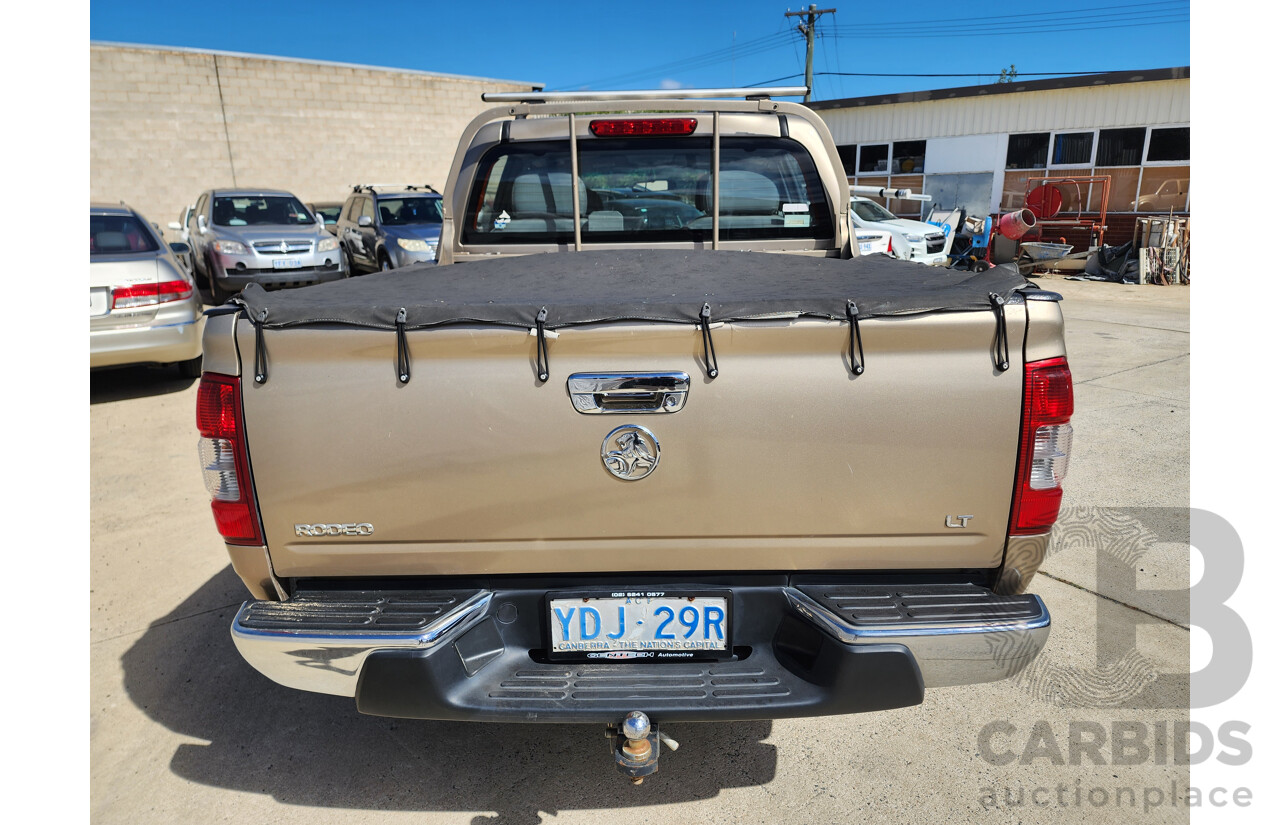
{"points": [[800, 650], [173, 334]]}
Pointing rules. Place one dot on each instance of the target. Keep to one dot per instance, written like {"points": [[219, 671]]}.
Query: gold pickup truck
{"points": [[652, 443]]}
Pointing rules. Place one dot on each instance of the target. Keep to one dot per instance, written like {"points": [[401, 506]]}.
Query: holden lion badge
{"points": [[630, 452]]}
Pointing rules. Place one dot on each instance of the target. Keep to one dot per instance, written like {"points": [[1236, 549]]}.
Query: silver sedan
{"points": [[143, 305]]}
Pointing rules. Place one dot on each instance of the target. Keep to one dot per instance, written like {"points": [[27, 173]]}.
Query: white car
{"points": [[872, 241], [925, 243]]}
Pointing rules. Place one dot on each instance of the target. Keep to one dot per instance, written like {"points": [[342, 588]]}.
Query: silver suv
{"points": [[262, 236]]}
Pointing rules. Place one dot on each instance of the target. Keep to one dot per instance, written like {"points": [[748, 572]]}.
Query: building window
{"points": [[878, 183], [874, 158], [1164, 188], [1124, 189], [848, 159], [1170, 144], [1029, 151], [908, 157], [905, 208], [1076, 147], [1121, 147]]}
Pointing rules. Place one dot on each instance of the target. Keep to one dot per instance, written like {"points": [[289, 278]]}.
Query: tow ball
{"points": [[637, 745]]}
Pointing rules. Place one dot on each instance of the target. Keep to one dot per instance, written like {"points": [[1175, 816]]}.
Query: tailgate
{"points": [[785, 461]]}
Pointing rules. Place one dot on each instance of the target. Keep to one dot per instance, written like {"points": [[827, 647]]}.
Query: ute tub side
{"points": [[221, 355], [1045, 339]]}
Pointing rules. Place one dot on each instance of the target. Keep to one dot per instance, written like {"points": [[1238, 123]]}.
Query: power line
{"points": [[997, 32], [997, 20], [1113, 17], [932, 74], [738, 50], [1016, 23]]}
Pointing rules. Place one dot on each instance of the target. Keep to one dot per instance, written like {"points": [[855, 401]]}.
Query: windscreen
{"points": [[265, 210], [117, 234], [646, 189], [329, 214], [872, 211], [409, 211]]}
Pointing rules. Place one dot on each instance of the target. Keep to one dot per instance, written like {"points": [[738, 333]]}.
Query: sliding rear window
{"points": [[646, 190]]}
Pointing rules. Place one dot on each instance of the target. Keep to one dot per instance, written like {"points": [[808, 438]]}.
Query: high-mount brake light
{"points": [[148, 294], [644, 127], [1045, 446], [224, 460]]}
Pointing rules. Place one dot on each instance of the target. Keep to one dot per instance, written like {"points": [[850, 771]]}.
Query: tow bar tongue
{"points": [[636, 746]]}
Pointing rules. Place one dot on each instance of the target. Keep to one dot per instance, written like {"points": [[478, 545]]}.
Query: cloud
{"points": [[668, 83]]}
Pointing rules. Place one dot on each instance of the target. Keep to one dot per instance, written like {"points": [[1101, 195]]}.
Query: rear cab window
{"points": [[646, 190]]}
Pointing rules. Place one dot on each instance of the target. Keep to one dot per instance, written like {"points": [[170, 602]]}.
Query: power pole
{"points": [[807, 29]]}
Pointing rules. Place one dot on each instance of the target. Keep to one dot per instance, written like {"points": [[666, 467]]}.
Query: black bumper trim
{"points": [[784, 667]]}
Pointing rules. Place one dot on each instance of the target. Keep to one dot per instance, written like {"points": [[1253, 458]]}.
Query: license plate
{"points": [[643, 624], [864, 248], [287, 263], [97, 302]]}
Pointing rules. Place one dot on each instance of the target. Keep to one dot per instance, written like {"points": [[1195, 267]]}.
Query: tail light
{"points": [[645, 127], [1045, 446], [140, 295], [890, 244], [224, 460]]}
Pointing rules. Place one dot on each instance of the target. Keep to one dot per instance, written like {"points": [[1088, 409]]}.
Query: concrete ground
{"points": [[182, 730]]}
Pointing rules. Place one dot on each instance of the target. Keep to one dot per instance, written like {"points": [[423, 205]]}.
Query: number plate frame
{"points": [[621, 654]]}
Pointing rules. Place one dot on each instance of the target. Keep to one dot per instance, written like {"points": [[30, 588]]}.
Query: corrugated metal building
{"points": [[976, 146]]}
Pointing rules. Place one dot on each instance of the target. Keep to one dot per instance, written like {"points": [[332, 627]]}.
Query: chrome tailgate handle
{"points": [[603, 393]]}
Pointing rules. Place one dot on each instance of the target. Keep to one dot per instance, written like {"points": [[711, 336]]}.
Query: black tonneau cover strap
{"points": [[708, 347], [544, 362], [260, 348], [402, 347], [857, 361], [1002, 332]]}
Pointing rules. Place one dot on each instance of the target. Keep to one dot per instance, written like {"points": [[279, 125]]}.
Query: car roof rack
{"points": [[408, 187], [543, 96]]}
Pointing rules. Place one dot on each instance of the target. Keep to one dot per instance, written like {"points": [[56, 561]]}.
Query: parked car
{"points": [[143, 305], [389, 229], [182, 230], [926, 244], [328, 212], [874, 241], [260, 236]]}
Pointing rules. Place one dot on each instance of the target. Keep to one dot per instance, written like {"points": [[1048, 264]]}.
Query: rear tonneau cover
{"points": [[632, 285]]}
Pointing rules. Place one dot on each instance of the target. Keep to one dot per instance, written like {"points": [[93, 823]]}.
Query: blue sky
{"points": [[631, 45]]}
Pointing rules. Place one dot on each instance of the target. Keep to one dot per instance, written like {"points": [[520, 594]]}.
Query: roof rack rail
{"points": [[758, 93], [408, 187]]}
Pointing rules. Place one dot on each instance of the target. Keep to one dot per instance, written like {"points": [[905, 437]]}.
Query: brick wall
{"points": [[159, 136]]}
